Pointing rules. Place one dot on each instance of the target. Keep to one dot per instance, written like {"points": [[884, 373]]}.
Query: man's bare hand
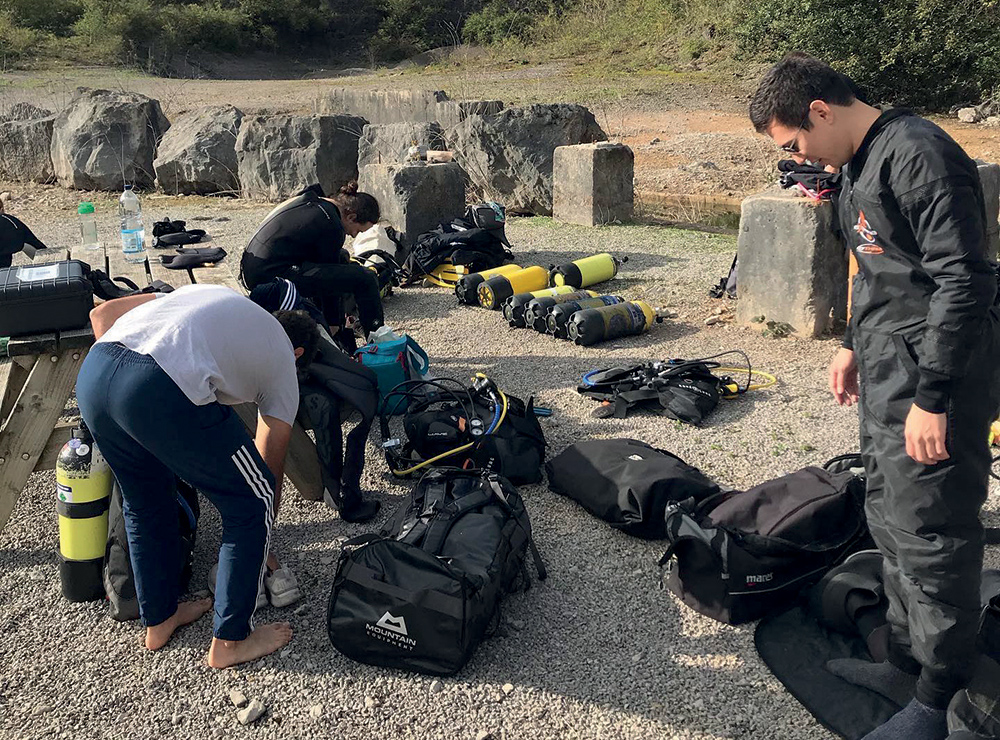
{"points": [[844, 378], [926, 436]]}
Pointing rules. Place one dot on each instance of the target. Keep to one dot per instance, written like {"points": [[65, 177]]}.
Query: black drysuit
{"points": [[924, 330], [302, 240]]}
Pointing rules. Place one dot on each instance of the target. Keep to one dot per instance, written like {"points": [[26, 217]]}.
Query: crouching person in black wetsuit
{"points": [[302, 240]]}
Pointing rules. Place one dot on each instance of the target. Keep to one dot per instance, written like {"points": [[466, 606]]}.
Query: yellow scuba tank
{"points": [[467, 285], [515, 306], [587, 271], [83, 496], [558, 316], [593, 325], [497, 289]]}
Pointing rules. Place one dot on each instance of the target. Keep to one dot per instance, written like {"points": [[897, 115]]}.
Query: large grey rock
{"points": [[593, 183], [382, 106], [452, 112], [415, 198], [969, 115], [387, 143], [104, 139], [24, 112], [508, 156], [989, 176], [279, 155], [25, 146], [792, 266], [198, 154]]}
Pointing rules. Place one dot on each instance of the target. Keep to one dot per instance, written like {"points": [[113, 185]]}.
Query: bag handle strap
{"points": [[536, 556], [421, 362], [444, 519]]}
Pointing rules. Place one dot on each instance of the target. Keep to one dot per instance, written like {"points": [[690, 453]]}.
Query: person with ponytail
{"points": [[302, 240]]}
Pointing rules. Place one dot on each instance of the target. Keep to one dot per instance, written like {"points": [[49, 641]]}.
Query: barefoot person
{"points": [[921, 355], [155, 391]]}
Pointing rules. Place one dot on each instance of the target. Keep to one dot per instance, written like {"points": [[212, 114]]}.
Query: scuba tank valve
{"points": [[83, 496], [558, 316], [594, 325], [513, 307], [587, 271], [467, 285], [534, 312], [494, 291]]}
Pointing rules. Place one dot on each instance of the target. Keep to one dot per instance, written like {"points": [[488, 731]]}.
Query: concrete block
{"points": [[592, 183], [388, 143], [382, 106], [989, 176], [792, 267], [279, 155], [415, 198]]}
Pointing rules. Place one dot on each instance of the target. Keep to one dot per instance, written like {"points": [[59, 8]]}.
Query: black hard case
{"points": [[46, 297]]}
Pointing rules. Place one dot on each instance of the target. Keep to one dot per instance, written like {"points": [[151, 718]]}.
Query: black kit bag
{"points": [[476, 241], [627, 483], [119, 581], [740, 555], [422, 594]]}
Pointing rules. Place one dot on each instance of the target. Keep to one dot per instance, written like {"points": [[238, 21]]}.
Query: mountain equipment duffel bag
{"points": [[422, 594], [626, 483], [737, 556]]}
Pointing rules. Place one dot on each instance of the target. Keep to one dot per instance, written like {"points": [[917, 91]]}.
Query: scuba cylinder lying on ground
{"points": [[558, 316], [594, 325], [494, 291], [513, 307], [537, 308], [83, 495], [467, 285], [587, 271]]}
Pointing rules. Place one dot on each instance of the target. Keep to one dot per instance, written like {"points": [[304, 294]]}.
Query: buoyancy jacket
{"points": [[912, 211]]}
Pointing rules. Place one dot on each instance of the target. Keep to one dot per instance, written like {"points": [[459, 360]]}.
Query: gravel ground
{"points": [[598, 651]]}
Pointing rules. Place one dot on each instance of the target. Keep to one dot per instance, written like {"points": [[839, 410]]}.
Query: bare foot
{"points": [[264, 640], [187, 612]]}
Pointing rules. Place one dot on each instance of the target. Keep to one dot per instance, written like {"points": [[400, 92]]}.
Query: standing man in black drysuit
{"points": [[302, 240], [920, 353]]}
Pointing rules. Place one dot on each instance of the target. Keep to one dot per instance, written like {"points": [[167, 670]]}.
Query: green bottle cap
{"points": [[85, 207]]}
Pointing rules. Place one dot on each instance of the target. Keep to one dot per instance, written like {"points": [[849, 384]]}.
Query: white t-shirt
{"points": [[216, 345]]}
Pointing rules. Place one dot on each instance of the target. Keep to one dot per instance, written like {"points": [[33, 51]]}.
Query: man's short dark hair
{"points": [[789, 88], [303, 330]]}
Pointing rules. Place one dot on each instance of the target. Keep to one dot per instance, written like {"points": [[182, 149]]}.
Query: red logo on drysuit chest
{"points": [[867, 234]]}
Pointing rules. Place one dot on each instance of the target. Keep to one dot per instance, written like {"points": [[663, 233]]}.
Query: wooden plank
{"points": [[220, 273], [50, 453], [96, 258], [76, 338], [301, 461], [40, 256], [118, 266], [31, 422], [157, 271], [12, 380]]}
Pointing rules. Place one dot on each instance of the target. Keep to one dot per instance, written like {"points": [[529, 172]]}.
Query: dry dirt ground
{"points": [[689, 131]]}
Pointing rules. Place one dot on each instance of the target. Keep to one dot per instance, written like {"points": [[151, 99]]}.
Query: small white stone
{"points": [[508, 688], [175, 719], [238, 698], [285, 653], [371, 702], [637, 657], [326, 561], [484, 735], [301, 610], [517, 624], [712, 320], [253, 712], [436, 687], [316, 711], [41, 709]]}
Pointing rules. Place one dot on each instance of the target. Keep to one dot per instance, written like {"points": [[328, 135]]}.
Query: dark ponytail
{"points": [[364, 206]]}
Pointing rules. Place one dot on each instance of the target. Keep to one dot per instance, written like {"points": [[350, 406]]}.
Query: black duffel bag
{"points": [[737, 556], [423, 593], [626, 483]]}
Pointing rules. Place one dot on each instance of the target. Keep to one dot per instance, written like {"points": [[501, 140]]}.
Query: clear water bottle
{"points": [[88, 226], [133, 233]]}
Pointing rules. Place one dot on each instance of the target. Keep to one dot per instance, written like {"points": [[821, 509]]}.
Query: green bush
{"points": [[16, 43], [500, 21], [922, 53], [52, 16]]}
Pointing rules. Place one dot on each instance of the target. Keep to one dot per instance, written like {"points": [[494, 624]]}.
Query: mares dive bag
{"points": [[626, 483], [119, 580], [476, 241], [739, 555], [423, 593], [450, 424]]}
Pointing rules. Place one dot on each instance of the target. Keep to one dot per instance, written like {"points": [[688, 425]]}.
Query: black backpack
{"points": [[423, 593], [119, 581], [477, 241], [737, 556], [627, 483]]}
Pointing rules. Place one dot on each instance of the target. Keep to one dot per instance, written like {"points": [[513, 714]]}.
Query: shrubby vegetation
{"points": [[925, 53]]}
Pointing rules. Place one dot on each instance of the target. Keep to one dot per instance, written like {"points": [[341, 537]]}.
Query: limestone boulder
{"points": [[508, 155], [279, 155], [25, 144], [388, 143], [382, 106], [105, 139], [415, 198], [198, 154]]}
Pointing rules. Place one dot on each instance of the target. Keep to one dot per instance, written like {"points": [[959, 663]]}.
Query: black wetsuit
{"points": [[302, 240], [924, 330]]}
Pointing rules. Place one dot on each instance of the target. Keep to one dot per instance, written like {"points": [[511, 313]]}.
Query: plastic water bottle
{"points": [[88, 226], [133, 233]]}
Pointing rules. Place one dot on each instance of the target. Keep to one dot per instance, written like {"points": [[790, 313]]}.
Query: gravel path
{"points": [[596, 652]]}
